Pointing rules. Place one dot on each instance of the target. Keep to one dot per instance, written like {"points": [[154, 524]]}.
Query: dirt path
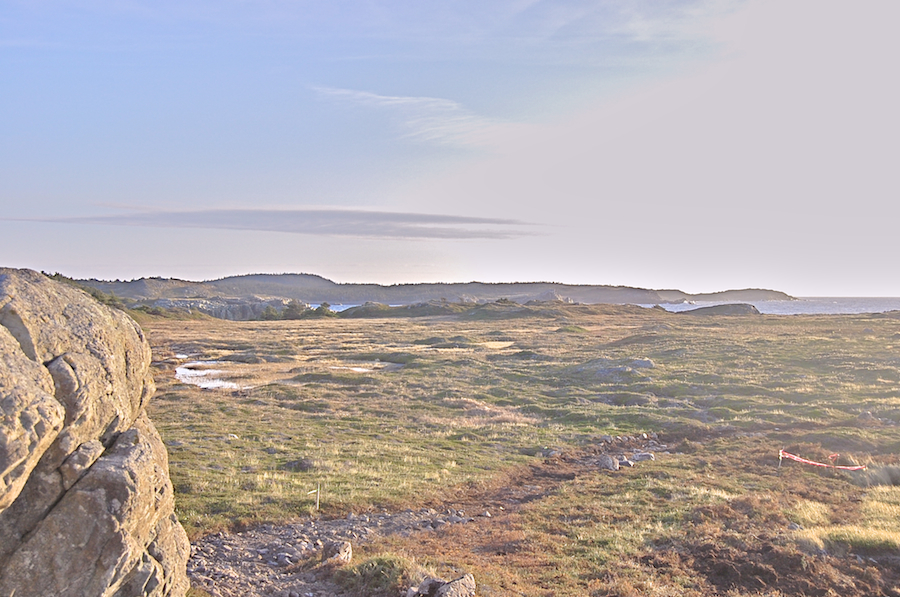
{"points": [[263, 562], [260, 562]]}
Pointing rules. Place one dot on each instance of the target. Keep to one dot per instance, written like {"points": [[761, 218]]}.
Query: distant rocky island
{"points": [[250, 296]]}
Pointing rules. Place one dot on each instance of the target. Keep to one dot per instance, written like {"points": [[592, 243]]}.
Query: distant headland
{"points": [[240, 297]]}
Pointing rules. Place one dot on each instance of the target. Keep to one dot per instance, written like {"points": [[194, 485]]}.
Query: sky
{"points": [[693, 144]]}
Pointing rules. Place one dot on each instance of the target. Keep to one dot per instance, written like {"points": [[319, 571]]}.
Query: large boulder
{"points": [[86, 504]]}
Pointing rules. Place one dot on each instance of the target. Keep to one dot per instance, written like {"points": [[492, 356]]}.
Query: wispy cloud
{"points": [[429, 119], [330, 222], [693, 21]]}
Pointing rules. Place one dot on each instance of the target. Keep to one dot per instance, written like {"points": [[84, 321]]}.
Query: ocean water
{"points": [[807, 306], [816, 305]]}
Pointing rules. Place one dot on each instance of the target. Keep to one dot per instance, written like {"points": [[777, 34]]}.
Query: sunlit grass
{"points": [[428, 415], [808, 513], [879, 529]]}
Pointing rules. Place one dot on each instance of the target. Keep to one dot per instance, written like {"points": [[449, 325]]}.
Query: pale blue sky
{"points": [[699, 145]]}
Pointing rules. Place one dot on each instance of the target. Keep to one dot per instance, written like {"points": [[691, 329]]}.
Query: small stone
{"points": [[641, 456], [463, 586], [642, 364], [607, 462], [338, 551], [428, 587], [300, 465]]}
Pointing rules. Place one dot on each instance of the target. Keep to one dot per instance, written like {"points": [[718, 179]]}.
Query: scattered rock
{"points": [[641, 456]]}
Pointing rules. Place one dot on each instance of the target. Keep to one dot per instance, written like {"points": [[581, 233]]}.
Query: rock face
{"points": [[86, 504], [225, 308]]}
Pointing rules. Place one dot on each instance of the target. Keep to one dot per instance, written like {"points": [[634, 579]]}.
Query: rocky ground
{"points": [[267, 561], [262, 561]]}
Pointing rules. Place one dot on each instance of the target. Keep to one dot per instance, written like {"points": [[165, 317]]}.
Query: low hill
{"points": [[310, 288]]}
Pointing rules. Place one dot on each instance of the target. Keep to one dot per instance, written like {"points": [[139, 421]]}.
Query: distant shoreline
{"points": [[805, 305]]}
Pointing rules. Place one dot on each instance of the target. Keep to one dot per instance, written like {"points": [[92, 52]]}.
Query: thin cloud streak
{"points": [[327, 222], [429, 119]]}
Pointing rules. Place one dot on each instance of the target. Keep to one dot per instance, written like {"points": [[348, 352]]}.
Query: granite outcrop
{"points": [[86, 503]]}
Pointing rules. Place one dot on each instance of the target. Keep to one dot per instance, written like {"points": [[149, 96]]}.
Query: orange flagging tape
{"points": [[782, 454]]}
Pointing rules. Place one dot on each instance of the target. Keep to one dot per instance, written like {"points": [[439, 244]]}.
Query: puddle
{"points": [[196, 374], [355, 369]]}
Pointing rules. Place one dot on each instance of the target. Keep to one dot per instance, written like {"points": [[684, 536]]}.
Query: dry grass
{"points": [[877, 531], [390, 413]]}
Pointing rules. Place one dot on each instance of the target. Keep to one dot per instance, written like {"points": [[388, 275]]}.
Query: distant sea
{"points": [[816, 305]]}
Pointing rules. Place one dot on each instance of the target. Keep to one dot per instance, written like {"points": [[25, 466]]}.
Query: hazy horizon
{"points": [[698, 145], [440, 282]]}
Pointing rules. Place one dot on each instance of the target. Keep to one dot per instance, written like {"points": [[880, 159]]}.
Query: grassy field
{"points": [[389, 413]]}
